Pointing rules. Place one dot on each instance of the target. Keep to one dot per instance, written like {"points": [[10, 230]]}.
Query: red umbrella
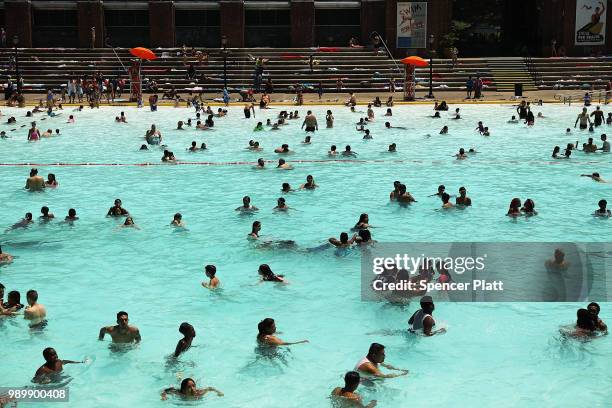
{"points": [[143, 53], [414, 60]]}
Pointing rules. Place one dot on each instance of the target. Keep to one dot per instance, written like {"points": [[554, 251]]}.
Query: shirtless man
{"points": [[117, 210], [344, 241], [52, 364], [267, 329], [463, 199], [557, 263], [310, 121], [246, 205], [23, 223], [211, 272], [375, 357], [35, 311], [584, 119], [184, 344], [177, 221], [35, 182], [5, 259], [351, 382], [122, 332]]}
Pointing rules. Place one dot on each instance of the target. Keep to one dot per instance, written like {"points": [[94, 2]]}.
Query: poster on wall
{"points": [[412, 24], [590, 22]]}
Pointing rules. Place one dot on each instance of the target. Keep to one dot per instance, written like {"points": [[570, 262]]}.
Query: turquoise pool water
{"points": [[492, 354]]}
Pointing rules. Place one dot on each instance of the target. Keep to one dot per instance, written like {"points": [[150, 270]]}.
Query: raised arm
{"points": [[103, 331]]}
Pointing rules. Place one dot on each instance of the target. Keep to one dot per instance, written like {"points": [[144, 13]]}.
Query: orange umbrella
{"points": [[414, 60], [143, 53]]}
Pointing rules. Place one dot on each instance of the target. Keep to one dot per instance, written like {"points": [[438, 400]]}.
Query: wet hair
{"points": [[365, 235], [265, 326], [121, 313], [351, 381], [265, 271], [186, 329], [375, 348], [178, 216], [15, 296], [515, 203], [47, 352], [595, 305], [44, 210], [362, 217], [211, 269], [32, 294], [529, 204], [184, 384], [445, 197], [585, 320], [286, 186], [343, 237], [426, 303], [602, 203], [72, 212], [28, 216]]}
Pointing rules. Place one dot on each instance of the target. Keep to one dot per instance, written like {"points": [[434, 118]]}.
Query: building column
{"points": [[90, 14], [372, 15], [232, 22], [302, 23], [18, 20], [161, 23]]}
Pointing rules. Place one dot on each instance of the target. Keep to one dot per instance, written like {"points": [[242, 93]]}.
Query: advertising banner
{"points": [[590, 22]]}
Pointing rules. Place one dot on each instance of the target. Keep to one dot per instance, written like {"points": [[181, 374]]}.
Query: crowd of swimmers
{"points": [[588, 322]]}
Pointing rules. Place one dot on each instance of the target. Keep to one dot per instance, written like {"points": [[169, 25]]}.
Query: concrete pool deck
{"points": [[451, 97]]}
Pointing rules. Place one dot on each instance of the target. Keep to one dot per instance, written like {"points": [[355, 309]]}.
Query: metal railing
{"points": [[601, 96], [399, 70], [532, 69]]}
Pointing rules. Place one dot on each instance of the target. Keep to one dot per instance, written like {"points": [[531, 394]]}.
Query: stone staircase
{"points": [[509, 71], [360, 70]]}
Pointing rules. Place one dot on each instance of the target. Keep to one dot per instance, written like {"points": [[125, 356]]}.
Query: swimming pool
{"points": [[493, 354]]}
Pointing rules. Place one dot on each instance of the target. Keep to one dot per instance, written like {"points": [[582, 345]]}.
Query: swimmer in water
{"points": [[306, 140], [23, 223], [348, 152], [529, 208], [584, 119], [485, 131], [52, 365], [457, 115], [122, 332], [189, 391], [332, 151], [310, 183], [444, 130], [363, 222], [286, 188], [513, 120], [260, 164], [461, 155], [585, 325], [184, 344], [343, 242], [72, 215], [606, 145], [463, 200], [351, 382], [4, 259], [47, 133], [46, 215], [375, 358], [255, 147], [35, 312], [441, 189], [364, 237], [266, 330], [594, 309], [367, 134], [436, 115], [117, 210], [51, 181], [404, 197], [144, 147], [203, 146], [594, 177], [555, 153], [177, 221], [179, 125], [194, 147], [35, 182], [211, 273], [281, 205], [284, 165], [129, 223], [392, 148], [268, 276], [388, 126], [284, 149], [310, 122], [246, 205], [446, 204], [422, 319], [515, 208], [255, 228], [602, 211]]}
